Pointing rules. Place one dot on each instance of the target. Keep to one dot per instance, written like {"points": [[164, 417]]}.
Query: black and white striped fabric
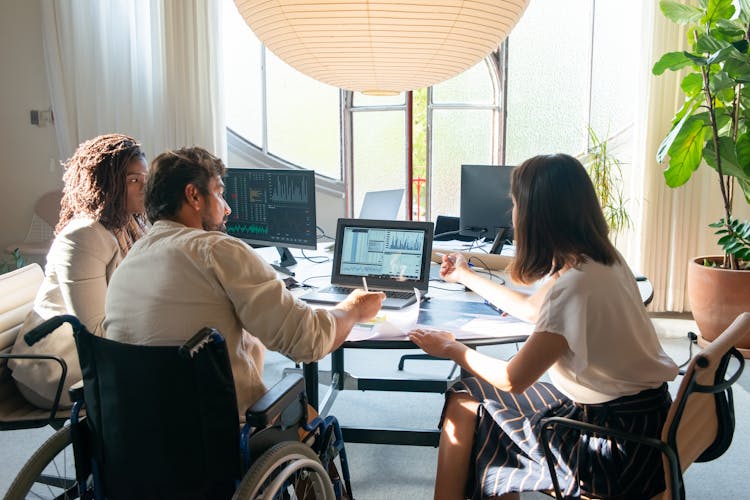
{"points": [[508, 456]]}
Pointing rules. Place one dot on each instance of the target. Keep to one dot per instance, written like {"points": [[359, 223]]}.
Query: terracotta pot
{"points": [[717, 296]]}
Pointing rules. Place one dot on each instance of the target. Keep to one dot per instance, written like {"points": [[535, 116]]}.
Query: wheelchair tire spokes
{"points": [[288, 470], [50, 472]]}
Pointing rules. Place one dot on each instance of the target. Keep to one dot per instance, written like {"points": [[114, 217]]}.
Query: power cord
{"points": [[486, 270], [318, 259], [692, 339]]}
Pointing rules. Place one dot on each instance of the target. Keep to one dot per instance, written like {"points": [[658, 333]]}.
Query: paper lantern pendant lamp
{"points": [[381, 46]]}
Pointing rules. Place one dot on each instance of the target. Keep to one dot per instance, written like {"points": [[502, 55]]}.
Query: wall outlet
{"points": [[40, 118]]}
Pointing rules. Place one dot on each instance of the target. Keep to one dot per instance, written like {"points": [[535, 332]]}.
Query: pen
{"points": [[442, 256], [364, 284]]}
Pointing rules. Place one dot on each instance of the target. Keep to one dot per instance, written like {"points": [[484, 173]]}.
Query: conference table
{"points": [[449, 307]]}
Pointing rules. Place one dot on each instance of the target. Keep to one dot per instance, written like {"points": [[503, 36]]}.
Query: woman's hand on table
{"points": [[433, 342]]}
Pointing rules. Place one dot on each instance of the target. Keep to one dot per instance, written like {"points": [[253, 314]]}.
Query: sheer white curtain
{"points": [[672, 222], [150, 69]]}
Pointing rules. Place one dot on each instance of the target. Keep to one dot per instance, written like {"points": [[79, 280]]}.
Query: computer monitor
{"points": [[272, 207], [486, 206]]}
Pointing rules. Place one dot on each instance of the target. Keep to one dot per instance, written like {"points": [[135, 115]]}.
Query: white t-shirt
{"points": [[613, 347]]}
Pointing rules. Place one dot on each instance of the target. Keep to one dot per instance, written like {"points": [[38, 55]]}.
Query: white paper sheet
{"points": [[388, 324]]}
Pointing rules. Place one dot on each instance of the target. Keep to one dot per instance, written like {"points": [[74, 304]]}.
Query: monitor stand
{"points": [[502, 237], [286, 260]]}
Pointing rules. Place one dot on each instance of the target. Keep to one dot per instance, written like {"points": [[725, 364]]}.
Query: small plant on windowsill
{"points": [[605, 171], [17, 262]]}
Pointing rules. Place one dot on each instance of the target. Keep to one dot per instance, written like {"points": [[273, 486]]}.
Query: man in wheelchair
{"points": [[162, 422], [187, 273]]}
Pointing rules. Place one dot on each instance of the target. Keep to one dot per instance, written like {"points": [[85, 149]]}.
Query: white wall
{"points": [[28, 162]]}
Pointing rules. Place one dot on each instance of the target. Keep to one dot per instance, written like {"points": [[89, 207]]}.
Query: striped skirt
{"points": [[508, 456]]}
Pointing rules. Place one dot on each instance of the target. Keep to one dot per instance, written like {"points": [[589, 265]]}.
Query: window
{"points": [[420, 139], [281, 112]]}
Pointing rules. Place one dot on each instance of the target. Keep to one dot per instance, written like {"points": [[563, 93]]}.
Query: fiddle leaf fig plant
{"points": [[713, 124]]}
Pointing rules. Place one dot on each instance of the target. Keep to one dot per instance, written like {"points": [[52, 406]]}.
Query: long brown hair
{"points": [[95, 186], [559, 219]]}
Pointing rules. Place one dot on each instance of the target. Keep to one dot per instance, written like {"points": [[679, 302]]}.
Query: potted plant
{"points": [[713, 128]]}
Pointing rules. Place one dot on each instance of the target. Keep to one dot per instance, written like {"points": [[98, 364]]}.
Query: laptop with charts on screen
{"points": [[393, 256]]}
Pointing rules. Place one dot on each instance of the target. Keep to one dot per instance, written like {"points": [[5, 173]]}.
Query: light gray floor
{"points": [[402, 472]]}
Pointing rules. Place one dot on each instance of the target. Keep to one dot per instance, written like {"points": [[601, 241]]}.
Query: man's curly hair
{"points": [[95, 183]]}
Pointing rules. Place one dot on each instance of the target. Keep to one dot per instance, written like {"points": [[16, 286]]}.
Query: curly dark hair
{"points": [[171, 171], [95, 181]]}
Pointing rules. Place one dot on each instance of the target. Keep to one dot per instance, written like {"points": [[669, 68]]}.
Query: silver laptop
{"points": [[393, 256], [381, 204]]}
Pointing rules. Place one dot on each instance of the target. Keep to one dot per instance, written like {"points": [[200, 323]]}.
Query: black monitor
{"points": [[486, 206], [272, 208]]}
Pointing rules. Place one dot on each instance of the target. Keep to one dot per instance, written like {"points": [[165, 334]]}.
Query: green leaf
{"points": [[692, 84], [672, 61], [738, 68], [729, 163], [679, 12], [696, 59], [718, 9], [722, 55], [666, 144], [720, 81], [685, 153], [741, 45], [707, 43], [729, 28], [745, 186], [743, 151], [744, 10]]}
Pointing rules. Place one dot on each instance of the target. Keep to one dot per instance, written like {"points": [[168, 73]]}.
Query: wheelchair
{"points": [[162, 422]]}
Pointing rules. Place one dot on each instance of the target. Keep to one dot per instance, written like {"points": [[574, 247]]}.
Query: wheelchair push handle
{"points": [[197, 341], [40, 331]]}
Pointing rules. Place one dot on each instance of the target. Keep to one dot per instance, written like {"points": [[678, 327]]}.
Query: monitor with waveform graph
{"points": [[272, 207]]}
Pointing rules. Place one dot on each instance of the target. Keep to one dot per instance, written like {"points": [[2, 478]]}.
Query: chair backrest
{"points": [[17, 292], [48, 207], [163, 424], [700, 422]]}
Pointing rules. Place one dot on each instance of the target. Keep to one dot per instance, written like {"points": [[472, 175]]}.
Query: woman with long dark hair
{"points": [[101, 216], [592, 336]]}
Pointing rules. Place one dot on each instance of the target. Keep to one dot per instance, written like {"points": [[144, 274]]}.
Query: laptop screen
{"points": [[381, 204], [390, 254]]}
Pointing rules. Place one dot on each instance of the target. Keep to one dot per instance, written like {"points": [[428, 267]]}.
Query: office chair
{"points": [[17, 292], [700, 423], [162, 422]]}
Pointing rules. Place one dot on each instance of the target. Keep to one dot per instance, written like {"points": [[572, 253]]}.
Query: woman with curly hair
{"points": [[101, 216]]}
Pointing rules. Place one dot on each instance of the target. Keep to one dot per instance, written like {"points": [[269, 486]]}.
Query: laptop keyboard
{"points": [[390, 294]]}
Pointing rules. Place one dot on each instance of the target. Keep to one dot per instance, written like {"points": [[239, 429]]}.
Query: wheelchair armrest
{"points": [[76, 391], [42, 330], [283, 394]]}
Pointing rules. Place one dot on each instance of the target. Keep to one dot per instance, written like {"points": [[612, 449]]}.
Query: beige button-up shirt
{"points": [[177, 280]]}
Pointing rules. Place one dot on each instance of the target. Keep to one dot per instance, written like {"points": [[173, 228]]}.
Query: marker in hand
{"points": [[364, 284], [444, 256]]}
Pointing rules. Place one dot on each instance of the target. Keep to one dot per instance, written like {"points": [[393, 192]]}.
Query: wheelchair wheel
{"points": [[49, 473], [288, 470]]}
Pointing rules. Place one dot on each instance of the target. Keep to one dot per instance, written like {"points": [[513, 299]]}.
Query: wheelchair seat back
{"points": [[162, 424]]}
